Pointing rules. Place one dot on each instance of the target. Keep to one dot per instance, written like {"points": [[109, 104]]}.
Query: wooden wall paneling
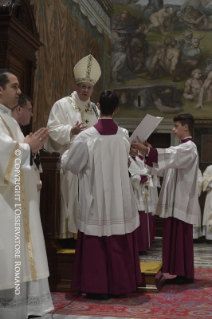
{"points": [[19, 41], [50, 199], [65, 41]]}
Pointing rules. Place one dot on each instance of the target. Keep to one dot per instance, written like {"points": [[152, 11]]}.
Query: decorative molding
{"points": [[202, 122], [107, 6], [164, 127], [22, 11], [95, 13]]}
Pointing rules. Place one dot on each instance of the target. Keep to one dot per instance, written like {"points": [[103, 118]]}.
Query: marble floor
{"points": [[202, 259], [202, 253]]}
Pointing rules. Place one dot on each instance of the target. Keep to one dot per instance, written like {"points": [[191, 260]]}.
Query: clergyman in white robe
{"points": [[24, 272], [63, 116]]}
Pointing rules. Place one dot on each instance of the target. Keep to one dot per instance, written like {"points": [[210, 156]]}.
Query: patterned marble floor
{"points": [[202, 253], [202, 259]]}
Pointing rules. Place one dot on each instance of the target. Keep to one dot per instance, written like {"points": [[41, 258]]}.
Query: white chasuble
{"points": [[63, 116], [179, 193], [21, 236], [107, 203]]}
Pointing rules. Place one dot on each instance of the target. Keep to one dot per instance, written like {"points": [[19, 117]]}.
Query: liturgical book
{"points": [[145, 128]]}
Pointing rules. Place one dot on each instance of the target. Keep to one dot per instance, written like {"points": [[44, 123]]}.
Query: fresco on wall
{"points": [[162, 57]]}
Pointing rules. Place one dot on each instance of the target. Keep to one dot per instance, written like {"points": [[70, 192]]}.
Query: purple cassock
{"points": [[177, 254], [144, 237], [142, 230], [106, 265]]}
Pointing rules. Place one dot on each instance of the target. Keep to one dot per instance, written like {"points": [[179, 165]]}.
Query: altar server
{"points": [[106, 259], [146, 198], [178, 200]]}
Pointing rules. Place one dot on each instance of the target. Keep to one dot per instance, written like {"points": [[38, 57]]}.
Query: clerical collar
{"points": [[5, 109], [186, 139]]}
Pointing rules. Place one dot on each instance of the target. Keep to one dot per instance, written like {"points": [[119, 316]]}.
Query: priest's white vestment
{"points": [[63, 116], [23, 261]]}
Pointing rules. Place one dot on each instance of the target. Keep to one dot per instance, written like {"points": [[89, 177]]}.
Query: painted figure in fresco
{"points": [[168, 58], [205, 92], [158, 70], [208, 67], [197, 19], [197, 4], [124, 29], [158, 19], [186, 39], [120, 70], [152, 7], [165, 99], [139, 48], [193, 85], [191, 54]]}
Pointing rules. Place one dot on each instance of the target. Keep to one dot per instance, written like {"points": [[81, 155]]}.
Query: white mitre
{"points": [[87, 70]]}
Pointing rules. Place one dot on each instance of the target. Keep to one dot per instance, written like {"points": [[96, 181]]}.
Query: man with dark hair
{"points": [[107, 244], [24, 269], [22, 113], [178, 200]]}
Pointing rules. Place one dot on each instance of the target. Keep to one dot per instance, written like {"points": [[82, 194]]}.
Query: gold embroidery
{"points": [[10, 165], [12, 158], [27, 230], [24, 209], [7, 127]]}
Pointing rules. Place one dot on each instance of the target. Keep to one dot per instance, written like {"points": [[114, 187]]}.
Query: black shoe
{"points": [[142, 253], [179, 280], [97, 296], [118, 296]]}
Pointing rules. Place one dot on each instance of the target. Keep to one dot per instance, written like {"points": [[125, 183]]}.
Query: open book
{"points": [[145, 128]]}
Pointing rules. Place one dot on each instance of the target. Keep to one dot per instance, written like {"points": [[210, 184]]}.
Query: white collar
{"points": [[5, 109], [186, 137]]}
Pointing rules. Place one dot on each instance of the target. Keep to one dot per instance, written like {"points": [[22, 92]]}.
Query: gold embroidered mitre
{"points": [[87, 70]]}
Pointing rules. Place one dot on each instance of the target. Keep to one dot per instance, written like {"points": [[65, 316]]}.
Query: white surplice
{"points": [[146, 193], [179, 193], [18, 190], [107, 202], [207, 215], [197, 229], [63, 116]]}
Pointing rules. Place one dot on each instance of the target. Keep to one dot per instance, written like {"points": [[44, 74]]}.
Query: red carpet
{"points": [[188, 301]]}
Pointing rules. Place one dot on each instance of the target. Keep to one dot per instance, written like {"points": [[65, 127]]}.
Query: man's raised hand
{"points": [[37, 140], [77, 128]]}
